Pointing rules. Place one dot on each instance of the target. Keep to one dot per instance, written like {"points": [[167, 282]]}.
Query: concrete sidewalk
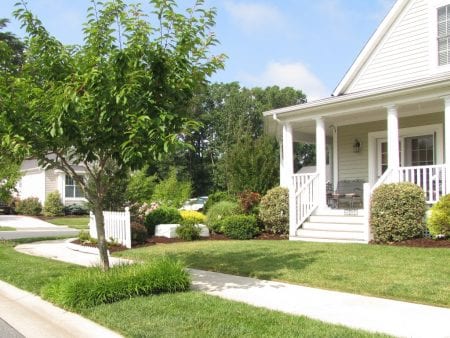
{"points": [[26, 223], [367, 313], [35, 318]]}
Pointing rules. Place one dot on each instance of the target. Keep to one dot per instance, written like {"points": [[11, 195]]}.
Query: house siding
{"points": [[403, 55], [51, 182], [354, 166]]}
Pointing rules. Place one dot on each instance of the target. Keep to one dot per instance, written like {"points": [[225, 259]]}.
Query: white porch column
{"points": [[335, 159], [282, 184], [321, 161], [447, 142], [392, 136], [288, 156]]}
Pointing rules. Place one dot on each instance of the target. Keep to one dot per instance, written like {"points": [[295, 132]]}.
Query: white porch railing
{"points": [[305, 198], [117, 226], [432, 179]]}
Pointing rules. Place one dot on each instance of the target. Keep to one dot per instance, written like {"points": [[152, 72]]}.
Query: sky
{"points": [[305, 44]]}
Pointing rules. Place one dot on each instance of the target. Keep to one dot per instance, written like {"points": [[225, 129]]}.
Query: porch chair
{"points": [[348, 192]]}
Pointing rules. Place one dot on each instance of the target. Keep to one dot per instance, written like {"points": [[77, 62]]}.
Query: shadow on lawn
{"points": [[259, 264]]}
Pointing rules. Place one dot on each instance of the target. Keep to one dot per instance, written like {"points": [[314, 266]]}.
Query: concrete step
{"points": [[326, 240], [341, 227], [338, 212], [340, 235], [337, 219]]}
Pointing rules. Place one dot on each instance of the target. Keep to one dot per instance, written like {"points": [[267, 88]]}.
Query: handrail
{"points": [[306, 184]]}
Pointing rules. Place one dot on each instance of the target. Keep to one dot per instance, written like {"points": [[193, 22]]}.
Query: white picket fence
{"points": [[117, 226]]}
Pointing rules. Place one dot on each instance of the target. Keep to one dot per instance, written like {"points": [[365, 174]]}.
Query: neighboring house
{"points": [[388, 120], [39, 182]]}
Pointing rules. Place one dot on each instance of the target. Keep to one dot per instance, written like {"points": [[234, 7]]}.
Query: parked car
{"points": [[196, 204], [5, 208]]}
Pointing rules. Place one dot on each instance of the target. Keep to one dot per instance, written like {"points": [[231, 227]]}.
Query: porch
{"points": [[372, 138]]}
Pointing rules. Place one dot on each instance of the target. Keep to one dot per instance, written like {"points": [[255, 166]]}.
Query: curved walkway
{"points": [[368, 313]]}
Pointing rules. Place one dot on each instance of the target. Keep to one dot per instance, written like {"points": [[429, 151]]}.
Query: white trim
{"points": [[436, 129], [433, 5], [321, 161], [335, 158]]}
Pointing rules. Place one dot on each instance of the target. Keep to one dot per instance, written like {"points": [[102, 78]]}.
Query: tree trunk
{"points": [[101, 244]]}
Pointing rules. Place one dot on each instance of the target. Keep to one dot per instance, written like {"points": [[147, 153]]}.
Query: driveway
{"points": [[24, 222], [30, 227]]}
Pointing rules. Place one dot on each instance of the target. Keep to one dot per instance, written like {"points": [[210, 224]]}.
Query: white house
{"points": [[39, 182], [388, 120]]}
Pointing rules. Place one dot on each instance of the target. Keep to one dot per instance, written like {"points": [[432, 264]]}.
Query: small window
{"points": [[443, 19], [72, 190]]}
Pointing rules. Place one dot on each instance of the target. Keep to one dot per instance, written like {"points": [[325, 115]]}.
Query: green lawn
{"points": [[411, 274], [76, 222], [2, 228], [190, 314]]}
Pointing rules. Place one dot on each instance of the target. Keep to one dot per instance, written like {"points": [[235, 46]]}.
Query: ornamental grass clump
{"points": [[439, 221], [397, 212], [92, 287]]}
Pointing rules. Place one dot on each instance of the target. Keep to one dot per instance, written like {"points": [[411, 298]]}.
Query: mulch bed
{"points": [[424, 243]]}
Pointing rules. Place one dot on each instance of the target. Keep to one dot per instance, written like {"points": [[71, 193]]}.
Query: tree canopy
{"points": [[122, 97]]}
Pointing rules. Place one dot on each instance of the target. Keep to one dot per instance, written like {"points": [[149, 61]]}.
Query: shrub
{"points": [[138, 233], [29, 206], [188, 230], [217, 197], [171, 192], [240, 226], [249, 202], [84, 236], [76, 209], [397, 212], [53, 205], [274, 211], [195, 216], [140, 187], [91, 287], [439, 221], [218, 212], [162, 215]]}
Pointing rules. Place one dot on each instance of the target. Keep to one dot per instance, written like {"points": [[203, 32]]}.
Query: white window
{"points": [[443, 32], [72, 189]]}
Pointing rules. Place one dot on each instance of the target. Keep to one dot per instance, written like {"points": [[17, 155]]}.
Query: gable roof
{"points": [[371, 46]]}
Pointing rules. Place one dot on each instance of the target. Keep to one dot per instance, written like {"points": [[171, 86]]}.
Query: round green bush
{"points": [[397, 212], [29, 206], [274, 211], [218, 212], [240, 226], [162, 215], [53, 205], [138, 233], [188, 230], [439, 221]]}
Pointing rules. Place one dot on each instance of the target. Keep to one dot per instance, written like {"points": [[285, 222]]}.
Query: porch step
{"points": [[326, 234], [339, 219], [326, 240], [335, 226], [339, 212]]}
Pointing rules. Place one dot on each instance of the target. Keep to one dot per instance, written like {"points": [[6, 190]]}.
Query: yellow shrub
{"points": [[195, 216]]}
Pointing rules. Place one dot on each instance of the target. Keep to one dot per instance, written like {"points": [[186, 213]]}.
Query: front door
{"points": [[413, 151]]}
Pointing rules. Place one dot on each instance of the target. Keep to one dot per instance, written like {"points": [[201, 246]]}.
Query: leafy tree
{"points": [[9, 176], [251, 165], [171, 192], [118, 100], [140, 186]]}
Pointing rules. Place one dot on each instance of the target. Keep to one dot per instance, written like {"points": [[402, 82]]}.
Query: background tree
{"points": [[116, 101]]}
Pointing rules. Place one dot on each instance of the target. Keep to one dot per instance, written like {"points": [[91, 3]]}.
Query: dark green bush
{"points": [[274, 211], [138, 233], [218, 212], [240, 226], [76, 209], [91, 287], [217, 197], [439, 221], [188, 230], [162, 215], [29, 206], [397, 212], [53, 205]]}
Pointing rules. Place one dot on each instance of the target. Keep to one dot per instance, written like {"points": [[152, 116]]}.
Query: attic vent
{"points": [[443, 16]]}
